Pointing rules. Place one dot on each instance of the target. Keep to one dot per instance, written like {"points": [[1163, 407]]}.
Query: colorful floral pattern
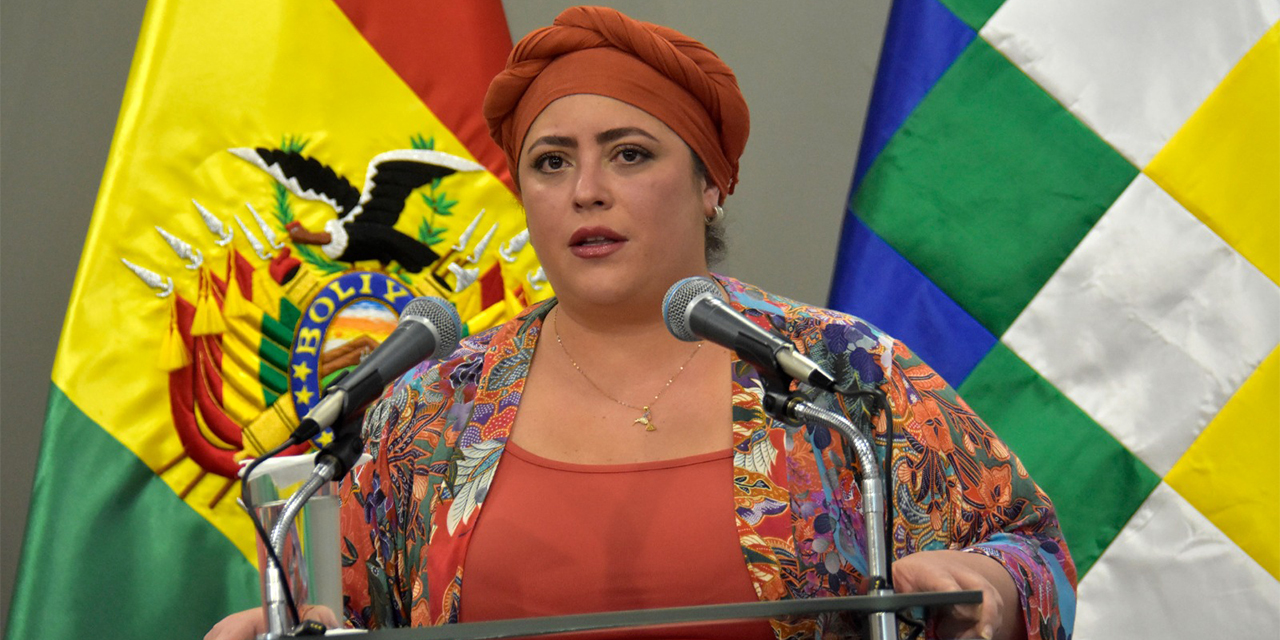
{"points": [[438, 434]]}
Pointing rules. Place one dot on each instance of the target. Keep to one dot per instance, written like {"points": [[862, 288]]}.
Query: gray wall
{"points": [[806, 69], [63, 65]]}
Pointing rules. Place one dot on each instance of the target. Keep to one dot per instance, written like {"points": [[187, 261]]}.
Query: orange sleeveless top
{"points": [[558, 538]]}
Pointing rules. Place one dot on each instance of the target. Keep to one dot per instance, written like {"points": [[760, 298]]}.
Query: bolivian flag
{"points": [[284, 178], [1071, 208]]}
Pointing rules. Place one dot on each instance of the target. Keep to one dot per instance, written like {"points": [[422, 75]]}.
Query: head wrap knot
{"points": [[596, 50]]}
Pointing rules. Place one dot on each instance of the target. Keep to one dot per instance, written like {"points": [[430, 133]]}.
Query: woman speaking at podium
{"points": [[579, 458]]}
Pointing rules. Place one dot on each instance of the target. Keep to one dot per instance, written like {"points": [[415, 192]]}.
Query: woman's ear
{"points": [[710, 198]]}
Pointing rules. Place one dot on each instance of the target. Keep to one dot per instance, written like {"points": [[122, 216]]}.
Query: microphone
{"points": [[694, 309], [429, 328]]}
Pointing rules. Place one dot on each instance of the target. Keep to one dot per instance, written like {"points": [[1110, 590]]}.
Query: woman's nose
{"points": [[591, 188]]}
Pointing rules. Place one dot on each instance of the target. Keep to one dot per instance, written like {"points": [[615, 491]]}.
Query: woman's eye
{"points": [[631, 155], [549, 162]]}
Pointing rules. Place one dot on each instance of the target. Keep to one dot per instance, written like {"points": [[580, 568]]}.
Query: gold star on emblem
{"points": [[301, 371], [302, 396]]}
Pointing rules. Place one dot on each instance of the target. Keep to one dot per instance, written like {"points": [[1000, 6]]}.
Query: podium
{"points": [[533, 627]]}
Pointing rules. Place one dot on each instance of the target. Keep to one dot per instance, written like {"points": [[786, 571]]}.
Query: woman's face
{"points": [[615, 211]]}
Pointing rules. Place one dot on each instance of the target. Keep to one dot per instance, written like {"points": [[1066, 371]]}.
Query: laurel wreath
{"points": [[284, 215], [437, 201], [317, 259]]}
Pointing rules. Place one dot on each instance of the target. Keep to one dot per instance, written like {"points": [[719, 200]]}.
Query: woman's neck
{"points": [[606, 340]]}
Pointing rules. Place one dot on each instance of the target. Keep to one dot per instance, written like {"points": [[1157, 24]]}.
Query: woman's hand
{"points": [[998, 617], [250, 623]]}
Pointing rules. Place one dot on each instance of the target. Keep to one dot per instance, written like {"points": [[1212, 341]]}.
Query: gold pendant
{"points": [[644, 420]]}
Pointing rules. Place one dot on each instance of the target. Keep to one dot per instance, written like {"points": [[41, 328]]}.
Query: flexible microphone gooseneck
{"points": [[694, 309]]}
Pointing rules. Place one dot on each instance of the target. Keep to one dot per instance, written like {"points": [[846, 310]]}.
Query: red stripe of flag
{"points": [[448, 67]]}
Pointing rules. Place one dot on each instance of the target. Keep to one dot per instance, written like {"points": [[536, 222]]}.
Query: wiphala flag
{"points": [[1071, 208]]}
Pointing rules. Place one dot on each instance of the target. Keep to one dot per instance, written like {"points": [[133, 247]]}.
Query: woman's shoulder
{"points": [[464, 365], [794, 318], [438, 383], [852, 349]]}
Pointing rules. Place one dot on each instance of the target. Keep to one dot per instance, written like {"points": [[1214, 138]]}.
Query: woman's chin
{"points": [[611, 292], [616, 285]]}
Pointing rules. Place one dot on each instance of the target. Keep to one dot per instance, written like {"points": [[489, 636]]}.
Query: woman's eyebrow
{"points": [[604, 137], [554, 141], [622, 132]]}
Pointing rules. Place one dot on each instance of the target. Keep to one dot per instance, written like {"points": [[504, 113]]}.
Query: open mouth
{"points": [[594, 236], [590, 242]]}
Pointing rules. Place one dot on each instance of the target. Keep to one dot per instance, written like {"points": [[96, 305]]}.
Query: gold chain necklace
{"points": [[646, 417]]}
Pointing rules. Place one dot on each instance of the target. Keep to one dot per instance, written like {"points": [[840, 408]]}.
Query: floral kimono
{"points": [[438, 434]]}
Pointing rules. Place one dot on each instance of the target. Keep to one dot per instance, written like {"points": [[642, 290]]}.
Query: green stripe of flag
{"points": [[117, 537], [1045, 179], [974, 13], [1095, 482]]}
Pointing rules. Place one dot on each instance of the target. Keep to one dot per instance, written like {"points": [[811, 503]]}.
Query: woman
{"points": [[579, 458]]}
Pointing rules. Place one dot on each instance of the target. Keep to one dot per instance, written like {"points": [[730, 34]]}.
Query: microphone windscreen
{"points": [[440, 315], [677, 305]]}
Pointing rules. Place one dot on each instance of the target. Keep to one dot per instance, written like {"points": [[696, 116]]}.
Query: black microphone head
{"points": [[439, 315], [677, 306]]}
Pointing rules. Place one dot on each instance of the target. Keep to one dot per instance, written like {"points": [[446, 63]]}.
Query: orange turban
{"points": [[600, 51]]}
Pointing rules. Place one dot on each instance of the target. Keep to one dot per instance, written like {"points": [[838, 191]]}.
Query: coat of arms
{"points": [[285, 308]]}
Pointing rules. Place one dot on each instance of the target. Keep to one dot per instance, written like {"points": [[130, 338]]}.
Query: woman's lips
{"points": [[595, 242]]}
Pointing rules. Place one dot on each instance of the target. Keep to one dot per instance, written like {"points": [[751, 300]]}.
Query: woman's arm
{"points": [[980, 522], [1003, 535]]}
